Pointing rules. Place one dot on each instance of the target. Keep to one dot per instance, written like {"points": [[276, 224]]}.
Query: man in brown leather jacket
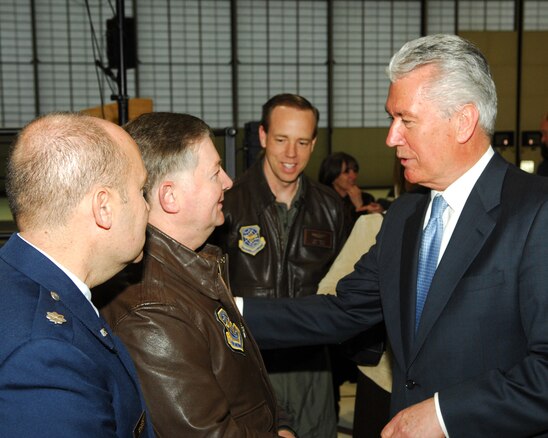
{"points": [[201, 371], [282, 232]]}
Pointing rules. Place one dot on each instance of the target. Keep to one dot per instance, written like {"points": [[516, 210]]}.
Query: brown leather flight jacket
{"points": [[201, 371]]}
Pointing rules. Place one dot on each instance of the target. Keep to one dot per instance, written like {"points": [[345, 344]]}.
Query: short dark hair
{"points": [[290, 100], [167, 142], [331, 167]]}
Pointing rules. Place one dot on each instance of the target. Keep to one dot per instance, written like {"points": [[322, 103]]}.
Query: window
{"points": [[282, 48], [366, 34], [187, 62]]}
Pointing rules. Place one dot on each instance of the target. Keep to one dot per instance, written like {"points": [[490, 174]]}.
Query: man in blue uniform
{"points": [[75, 190]]}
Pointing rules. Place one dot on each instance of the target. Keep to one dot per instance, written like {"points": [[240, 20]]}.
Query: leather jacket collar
{"points": [[201, 267], [263, 196]]}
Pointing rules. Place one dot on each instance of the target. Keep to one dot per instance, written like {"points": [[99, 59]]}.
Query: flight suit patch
{"points": [[251, 242], [233, 335]]}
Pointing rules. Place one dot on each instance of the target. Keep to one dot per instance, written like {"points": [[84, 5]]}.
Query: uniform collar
{"points": [[83, 287]]}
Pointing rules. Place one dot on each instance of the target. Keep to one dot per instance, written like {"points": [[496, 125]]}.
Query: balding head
{"points": [[55, 161]]}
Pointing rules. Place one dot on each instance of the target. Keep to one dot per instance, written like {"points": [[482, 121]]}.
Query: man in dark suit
{"points": [[470, 345], [75, 190]]}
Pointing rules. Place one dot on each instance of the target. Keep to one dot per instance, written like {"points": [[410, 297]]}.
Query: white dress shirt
{"points": [[456, 195]]}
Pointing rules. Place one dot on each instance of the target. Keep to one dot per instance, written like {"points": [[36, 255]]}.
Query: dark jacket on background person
{"points": [[200, 369], [367, 199], [252, 238]]}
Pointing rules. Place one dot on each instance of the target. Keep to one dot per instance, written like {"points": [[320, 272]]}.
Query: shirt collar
{"points": [[83, 287], [457, 193]]}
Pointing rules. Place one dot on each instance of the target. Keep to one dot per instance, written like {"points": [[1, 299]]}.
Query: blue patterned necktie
{"points": [[428, 255]]}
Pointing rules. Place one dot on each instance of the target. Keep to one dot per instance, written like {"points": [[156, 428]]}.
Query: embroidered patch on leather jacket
{"points": [[233, 335], [319, 238], [251, 242]]}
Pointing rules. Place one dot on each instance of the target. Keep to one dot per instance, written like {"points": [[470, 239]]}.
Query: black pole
{"points": [[234, 60], [121, 98], [35, 60], [137, 90], [519, 29], [424, 17], [330, 72]]}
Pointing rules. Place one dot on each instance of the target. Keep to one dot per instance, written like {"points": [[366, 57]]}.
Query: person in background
{"points": [[282, 232], [201, 371], [75, 189], [457, 275], [374, 384], [542, 169], [340, 171]]}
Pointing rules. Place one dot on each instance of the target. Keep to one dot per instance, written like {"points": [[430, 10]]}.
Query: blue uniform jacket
{"points": [[62, 372]]}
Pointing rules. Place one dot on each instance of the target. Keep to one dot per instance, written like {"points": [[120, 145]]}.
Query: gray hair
{"points": [[54, 162], [463, 75], [168, 143]]}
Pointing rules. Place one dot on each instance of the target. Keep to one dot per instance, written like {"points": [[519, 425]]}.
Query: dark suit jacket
{"points": [[483, 339], [64, 378]]}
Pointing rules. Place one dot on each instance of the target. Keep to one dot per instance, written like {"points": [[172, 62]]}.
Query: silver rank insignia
{"points": [[233, 335], [251, 241], [55, 317]]}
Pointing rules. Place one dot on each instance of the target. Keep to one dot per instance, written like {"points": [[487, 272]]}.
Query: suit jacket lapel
{"points": [[473, 229]]}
